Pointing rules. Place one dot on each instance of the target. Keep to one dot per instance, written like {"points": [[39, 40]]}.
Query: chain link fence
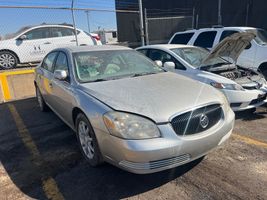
{"points": [[160, 24], [29, 30]]}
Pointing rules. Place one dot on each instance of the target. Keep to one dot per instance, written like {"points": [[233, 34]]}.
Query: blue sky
{"points": [[12, 19]]}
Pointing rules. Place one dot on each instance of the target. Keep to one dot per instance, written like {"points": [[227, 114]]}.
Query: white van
{"points": [[254, 56], [31, 44]]}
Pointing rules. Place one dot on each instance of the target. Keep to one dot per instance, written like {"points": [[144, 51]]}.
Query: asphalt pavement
{"points": [[40, 159]]}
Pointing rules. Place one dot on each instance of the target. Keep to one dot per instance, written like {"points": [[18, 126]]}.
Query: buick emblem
{"points": [[204, 121]]}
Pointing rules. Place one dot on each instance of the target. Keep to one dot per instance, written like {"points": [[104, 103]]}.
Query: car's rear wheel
{"points": [[8, 60], [43, 106], [87, 141]]}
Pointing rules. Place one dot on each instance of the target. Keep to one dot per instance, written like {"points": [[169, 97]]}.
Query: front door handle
{"points": [[73, 41], [47, 43]]}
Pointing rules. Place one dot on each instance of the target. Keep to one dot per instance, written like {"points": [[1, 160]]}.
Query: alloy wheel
{"points": [[7, 61], [86, 140]]}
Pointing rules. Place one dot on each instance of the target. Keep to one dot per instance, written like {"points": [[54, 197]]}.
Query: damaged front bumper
{"points": [[247, 99]]}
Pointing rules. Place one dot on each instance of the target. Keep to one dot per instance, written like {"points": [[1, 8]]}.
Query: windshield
{"points": [[195, 56], [261, 37], [112, 64], [12, 35]]}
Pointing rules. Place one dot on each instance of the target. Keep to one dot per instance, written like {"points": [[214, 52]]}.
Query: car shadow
{"points": [[251, 116], [60, 159]]}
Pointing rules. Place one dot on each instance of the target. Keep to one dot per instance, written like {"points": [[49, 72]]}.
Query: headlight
{"points": [[129, 126], [227, 86]]}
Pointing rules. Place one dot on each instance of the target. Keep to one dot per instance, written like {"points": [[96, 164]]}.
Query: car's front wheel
{"points": [[8, 60], [87, 141]]}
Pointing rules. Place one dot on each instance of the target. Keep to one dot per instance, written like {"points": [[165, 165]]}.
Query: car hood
{"points": [[158, 96], [253, 81], [231, 46], [206, 77]]}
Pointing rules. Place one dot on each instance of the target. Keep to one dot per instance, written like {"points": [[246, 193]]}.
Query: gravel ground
{"points": [[50, 166]]}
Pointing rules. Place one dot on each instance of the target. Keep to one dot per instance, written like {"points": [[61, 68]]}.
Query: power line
{"points": [[68, 8]]}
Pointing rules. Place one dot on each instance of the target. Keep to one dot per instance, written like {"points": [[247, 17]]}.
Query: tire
{"points": [[8, 60], [250, 111], [263, 69], [42, 105], [87, 141]]}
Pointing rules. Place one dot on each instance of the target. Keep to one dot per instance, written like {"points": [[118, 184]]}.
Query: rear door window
{"points": [[182, 38], [205, 39], [62, 32], [226, 34]]}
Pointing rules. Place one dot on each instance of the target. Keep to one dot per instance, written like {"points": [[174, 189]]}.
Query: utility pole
{"points": [[74, 23], [141, 22], [88, 22], [146, 23], [247, 13], [219, 12], [193, 17]]}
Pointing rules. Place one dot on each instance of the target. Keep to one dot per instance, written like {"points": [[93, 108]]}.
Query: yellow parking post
{"points": [[4, 87]]}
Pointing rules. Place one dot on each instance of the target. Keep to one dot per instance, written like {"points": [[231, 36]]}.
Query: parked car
{"points": [[254, 56], [128, 111], [96, 37], [31, 44], [245, 89]]}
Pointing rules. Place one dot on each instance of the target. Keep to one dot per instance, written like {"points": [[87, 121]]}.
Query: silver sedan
{"points": [[128, 111]]}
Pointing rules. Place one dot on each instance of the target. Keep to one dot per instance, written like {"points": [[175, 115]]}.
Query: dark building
{"points": [[169, 16]]}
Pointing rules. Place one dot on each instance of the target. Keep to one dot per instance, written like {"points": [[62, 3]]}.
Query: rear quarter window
{"points": [[205, 39], [182, 38], [226, 34]]}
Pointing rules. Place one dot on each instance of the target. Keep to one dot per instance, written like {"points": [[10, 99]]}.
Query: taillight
{"points": [[97, 37]]}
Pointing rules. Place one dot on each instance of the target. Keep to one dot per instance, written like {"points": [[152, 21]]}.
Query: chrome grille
{"points": [[174, 161], [192, 122]]}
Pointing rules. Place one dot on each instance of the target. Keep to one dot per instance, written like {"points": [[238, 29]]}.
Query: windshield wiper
{"points": [[98, 80], [143, 74]]}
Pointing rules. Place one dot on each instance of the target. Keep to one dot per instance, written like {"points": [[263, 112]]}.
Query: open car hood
{"points": [[232, 46]]}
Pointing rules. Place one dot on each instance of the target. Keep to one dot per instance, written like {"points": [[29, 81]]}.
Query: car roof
{"points": [[166, 46], [74, 49], [218, 28]]}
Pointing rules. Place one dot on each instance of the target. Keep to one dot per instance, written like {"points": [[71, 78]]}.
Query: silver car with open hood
{"points": [[128, 111]]}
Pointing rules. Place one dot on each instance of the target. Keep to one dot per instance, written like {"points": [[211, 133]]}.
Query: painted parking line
{"points": [[250, 141], [49, 185]]}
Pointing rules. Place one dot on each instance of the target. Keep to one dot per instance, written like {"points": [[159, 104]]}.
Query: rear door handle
{"points": [[47, 43]]}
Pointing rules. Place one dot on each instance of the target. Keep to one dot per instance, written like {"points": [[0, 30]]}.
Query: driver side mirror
{"points": [[22, 37], [169, 65], [61, 75], [158, 63]]}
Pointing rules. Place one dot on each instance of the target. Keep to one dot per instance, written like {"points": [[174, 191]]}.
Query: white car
{"points": [[31, 44], [244, 88], [254, 56]]}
